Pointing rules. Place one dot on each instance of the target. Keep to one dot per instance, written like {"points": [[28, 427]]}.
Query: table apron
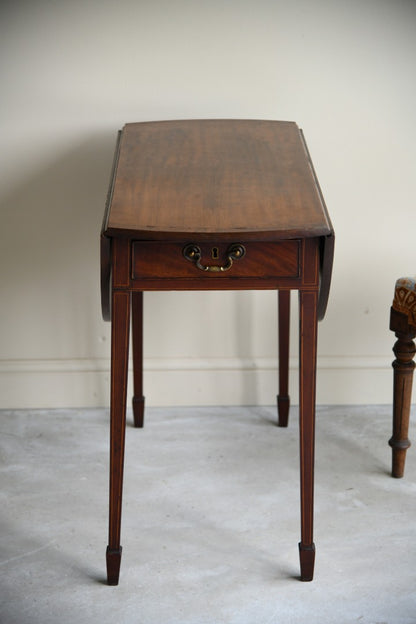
{"points": [[296, 267]]}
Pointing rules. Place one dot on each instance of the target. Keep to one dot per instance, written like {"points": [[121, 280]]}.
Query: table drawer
{"points": [[205, 260]]}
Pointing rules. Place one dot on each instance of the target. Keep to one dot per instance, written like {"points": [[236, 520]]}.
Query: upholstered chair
{"points": [[403, 323]]}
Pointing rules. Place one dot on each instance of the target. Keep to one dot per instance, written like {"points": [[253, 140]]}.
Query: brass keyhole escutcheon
{"points": [[193, 253], [215, 253]]}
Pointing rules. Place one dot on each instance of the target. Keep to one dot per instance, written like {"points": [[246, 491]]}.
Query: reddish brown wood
{"points": [[251, 170], [308, 334], [327, 246], [308, 302], [214, 184], [137, 334], [105, 253], [283, 399], [105, 243], [262, 260], [119, 369], [307, 561], [403, 366], [113, 559]]}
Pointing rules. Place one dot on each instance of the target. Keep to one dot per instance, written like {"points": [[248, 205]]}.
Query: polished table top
{"points": [[176, 178]]}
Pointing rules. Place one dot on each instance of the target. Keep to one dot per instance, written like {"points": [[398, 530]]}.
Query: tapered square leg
{"points": [[119, 366], [283, 400], [137, 334], [307, 382]]}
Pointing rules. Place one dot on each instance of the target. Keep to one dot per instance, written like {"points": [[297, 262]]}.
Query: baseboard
{"points": [[188, 381]]}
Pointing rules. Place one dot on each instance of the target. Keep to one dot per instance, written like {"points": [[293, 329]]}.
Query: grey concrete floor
{"points": [[210, 520]]}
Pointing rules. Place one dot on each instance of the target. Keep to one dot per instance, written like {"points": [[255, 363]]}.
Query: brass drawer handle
{"points": [[193, 253]]}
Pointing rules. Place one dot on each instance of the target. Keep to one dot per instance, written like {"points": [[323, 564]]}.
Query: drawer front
{"points": [[155, 260]]}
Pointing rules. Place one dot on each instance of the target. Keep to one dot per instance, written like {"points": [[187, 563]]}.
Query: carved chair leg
{"points": [[283, 400], [137, 335], [403, 366]]}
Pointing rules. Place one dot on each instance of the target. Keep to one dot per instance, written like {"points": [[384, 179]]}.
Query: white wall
{"points": [[73, 72]]}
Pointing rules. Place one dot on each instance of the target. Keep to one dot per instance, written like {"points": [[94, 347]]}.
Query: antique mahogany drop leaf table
{"points": [[214, 205]]}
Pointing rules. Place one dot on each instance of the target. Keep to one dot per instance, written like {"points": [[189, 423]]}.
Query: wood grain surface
{"points": [[177, 178]]}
